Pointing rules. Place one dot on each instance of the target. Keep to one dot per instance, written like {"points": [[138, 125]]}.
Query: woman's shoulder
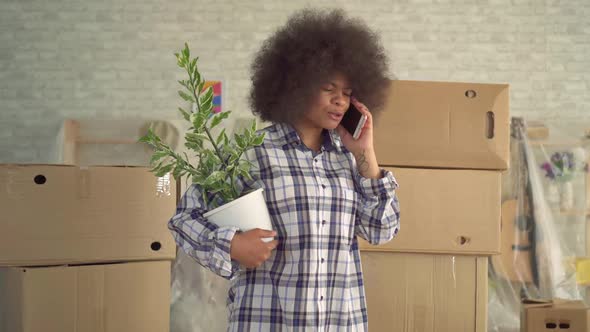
{"points": [[276, 135]]}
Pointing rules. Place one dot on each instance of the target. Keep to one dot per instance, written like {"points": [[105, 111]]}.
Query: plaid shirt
{"points": [[318, 204]]}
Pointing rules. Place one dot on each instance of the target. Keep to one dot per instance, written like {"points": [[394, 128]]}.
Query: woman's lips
{"points": [[335, 116]]}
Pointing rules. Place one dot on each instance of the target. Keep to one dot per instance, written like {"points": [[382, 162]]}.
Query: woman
{"points": [[322, 187]]}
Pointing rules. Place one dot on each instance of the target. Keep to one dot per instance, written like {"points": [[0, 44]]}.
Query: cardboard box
{"points": [[426, 293], [92, 298], [441, 124], [554, 315], [106, 142], [446, 211], [66, 214]]}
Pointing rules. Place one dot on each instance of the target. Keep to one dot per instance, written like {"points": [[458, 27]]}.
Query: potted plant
{"points": [[220, 159]]}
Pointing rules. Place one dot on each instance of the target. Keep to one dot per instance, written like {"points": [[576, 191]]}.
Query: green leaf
{"points": [[195, 137], [220, 137], [239, 140], [244, 167], [157, 156], [199, 89], [258, 140], [193, 146], [207, 97], [186, 115], [216, 120], [199, 120], [177, 171], [186, 51], [197, 77], [225, 114], [207, 108], [186, 96], [214, 177], [234, 156], [145, 139], [164, 170]]}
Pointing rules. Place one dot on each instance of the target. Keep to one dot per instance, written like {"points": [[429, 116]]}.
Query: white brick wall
{"points": [[113, 59]]}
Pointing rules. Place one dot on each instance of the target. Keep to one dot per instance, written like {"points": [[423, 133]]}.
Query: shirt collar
{"points": [[330, 139]]}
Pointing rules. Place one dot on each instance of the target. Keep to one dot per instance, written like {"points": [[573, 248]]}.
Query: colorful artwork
{"points": [[216, 85]]}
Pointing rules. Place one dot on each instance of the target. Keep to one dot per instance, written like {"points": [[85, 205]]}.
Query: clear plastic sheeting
{"points": [[198, 298], [544, 216]]}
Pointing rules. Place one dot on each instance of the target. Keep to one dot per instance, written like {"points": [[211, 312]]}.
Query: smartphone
{"points": [[353, 121]]}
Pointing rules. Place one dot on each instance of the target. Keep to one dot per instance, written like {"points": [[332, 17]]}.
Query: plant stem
{"points": [[198, 102]]}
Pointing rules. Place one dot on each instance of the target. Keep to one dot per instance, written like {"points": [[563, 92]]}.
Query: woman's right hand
{"points": [[249, 250]]}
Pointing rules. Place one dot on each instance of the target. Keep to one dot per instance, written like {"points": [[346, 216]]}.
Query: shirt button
{"points": [[322, 260], [324, 186], [321, 298], [323, 222], [315, 160]]}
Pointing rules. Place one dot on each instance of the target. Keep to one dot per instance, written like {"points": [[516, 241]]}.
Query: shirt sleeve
{"points": [[377, 218], [204, 241]]}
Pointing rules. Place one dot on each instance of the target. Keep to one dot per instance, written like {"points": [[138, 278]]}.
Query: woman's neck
{"points": [[310, 136]]}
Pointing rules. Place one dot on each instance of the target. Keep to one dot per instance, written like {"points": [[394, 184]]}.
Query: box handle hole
{"points": [[156, 246], [40, 179], [470, 94], [490, 124], [463, 240]]}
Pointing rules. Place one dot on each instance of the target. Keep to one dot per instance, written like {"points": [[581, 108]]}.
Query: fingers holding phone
{"points": [[356, 127], [354, 120], [365, 111]]}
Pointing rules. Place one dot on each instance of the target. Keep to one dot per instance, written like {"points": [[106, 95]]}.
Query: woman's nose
{"points": [[339, 99]]}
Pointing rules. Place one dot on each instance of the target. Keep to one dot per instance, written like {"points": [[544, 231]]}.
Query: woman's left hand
{"points": [[365, 140], [362, 148]]}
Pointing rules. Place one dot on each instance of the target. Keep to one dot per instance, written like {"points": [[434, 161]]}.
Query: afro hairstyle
{"points": [[302, 55]]}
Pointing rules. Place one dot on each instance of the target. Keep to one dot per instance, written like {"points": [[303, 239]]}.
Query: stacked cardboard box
{"points": [[446, 144], [556, 314], [85, 248]]}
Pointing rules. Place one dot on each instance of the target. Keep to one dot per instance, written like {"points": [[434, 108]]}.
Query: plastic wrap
{"points": [[197, 298], [544, 215]]}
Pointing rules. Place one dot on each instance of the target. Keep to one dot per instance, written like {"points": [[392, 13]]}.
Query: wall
{"points": [[114, 59]]}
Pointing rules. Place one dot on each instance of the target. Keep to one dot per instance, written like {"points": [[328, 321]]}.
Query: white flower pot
{"points": [[246, 213]]}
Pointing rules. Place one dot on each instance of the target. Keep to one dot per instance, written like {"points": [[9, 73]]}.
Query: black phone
{"points": [[353, 121]]}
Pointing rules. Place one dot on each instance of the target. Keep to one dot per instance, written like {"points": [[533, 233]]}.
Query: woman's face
{"points": [[330, 103]]}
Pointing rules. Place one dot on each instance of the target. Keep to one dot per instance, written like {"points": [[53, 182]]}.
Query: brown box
{"points": [[428, 293], [554, 315], [93, 298], [446, 211], [447, 125], [66, 214]]}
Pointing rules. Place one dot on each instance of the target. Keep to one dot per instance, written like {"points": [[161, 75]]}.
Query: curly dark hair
{"points": [[299, 57]]}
